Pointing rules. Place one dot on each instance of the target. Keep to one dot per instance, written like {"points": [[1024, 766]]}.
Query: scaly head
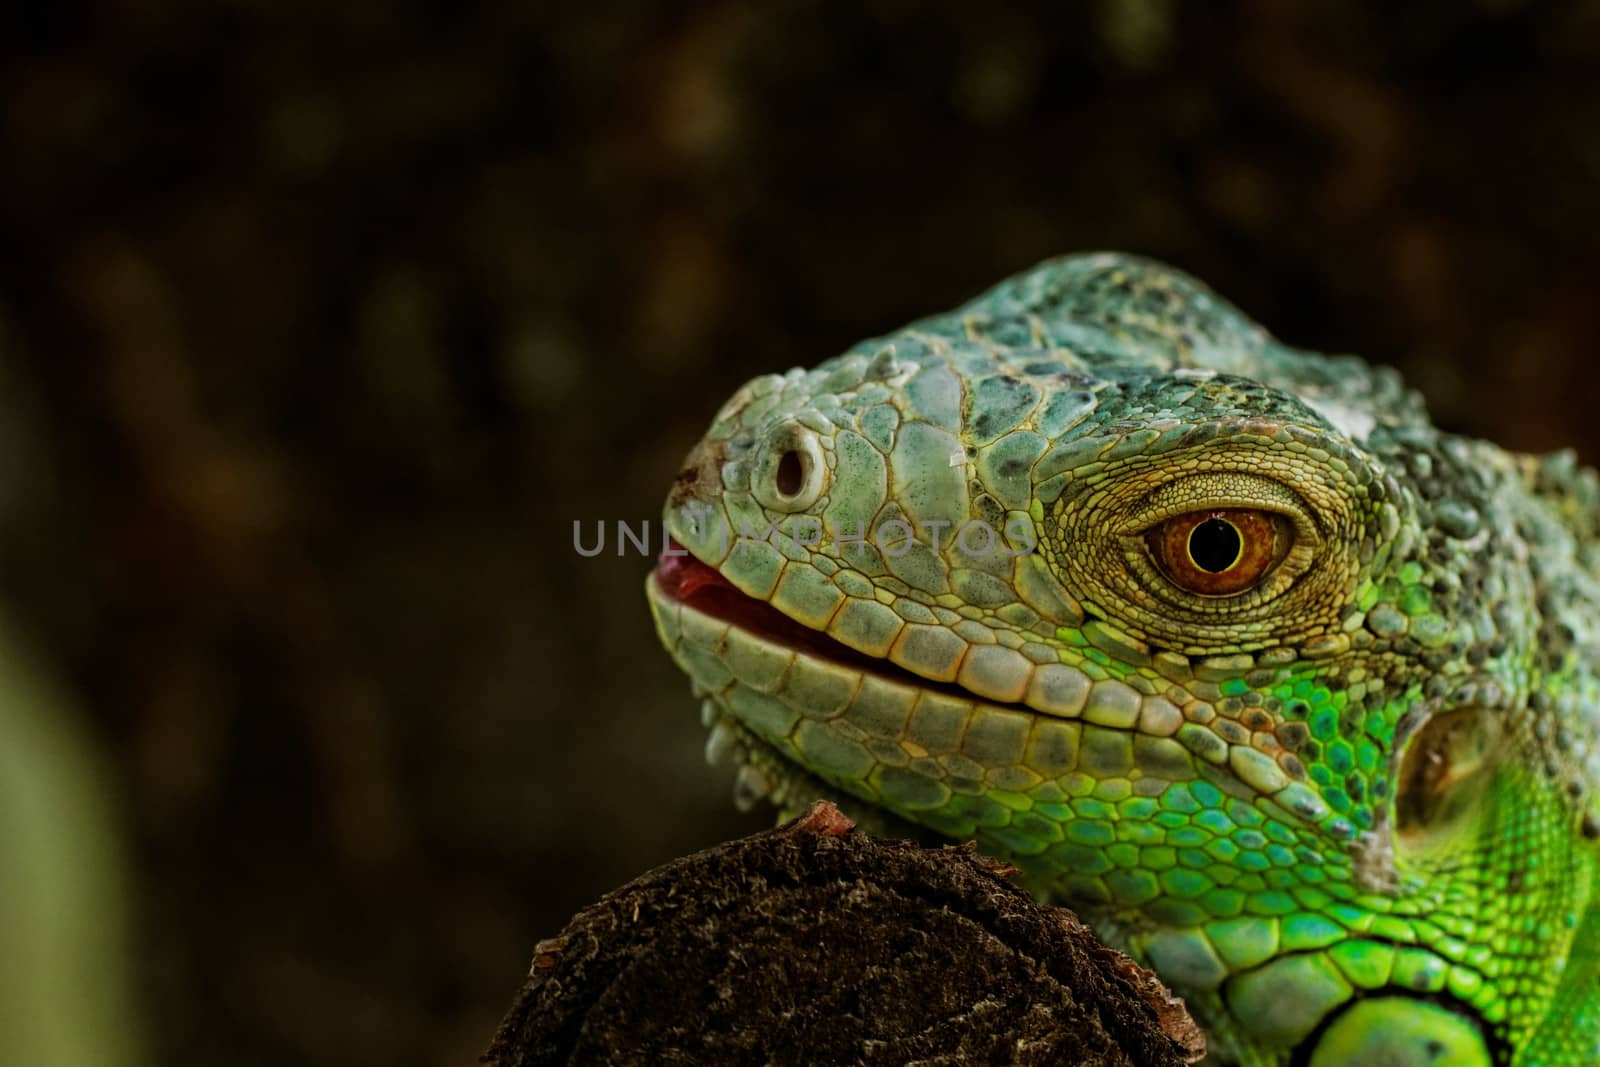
{"points": [[1286, 691]]}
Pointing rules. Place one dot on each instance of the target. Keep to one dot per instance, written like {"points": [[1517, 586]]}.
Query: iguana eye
{"points": [[1219, 552]]}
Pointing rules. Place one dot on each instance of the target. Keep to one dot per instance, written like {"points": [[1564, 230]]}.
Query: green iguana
{"points": [[1287, 692]]}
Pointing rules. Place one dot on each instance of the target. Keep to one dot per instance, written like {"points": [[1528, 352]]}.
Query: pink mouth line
{"points": [[694, 584], [691, 582]]}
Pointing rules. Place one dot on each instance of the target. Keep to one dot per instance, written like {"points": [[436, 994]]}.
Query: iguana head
{"points": [[1219, 640]]}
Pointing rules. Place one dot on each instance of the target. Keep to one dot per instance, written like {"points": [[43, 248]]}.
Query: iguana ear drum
{"points": [[1445, 768], [1398, 1031]]}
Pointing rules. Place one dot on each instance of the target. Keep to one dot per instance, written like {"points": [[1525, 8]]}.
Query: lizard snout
{"points": [[700, 478]]}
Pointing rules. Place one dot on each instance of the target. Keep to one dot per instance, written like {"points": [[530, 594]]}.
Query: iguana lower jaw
{"points": [[1222, 642]]}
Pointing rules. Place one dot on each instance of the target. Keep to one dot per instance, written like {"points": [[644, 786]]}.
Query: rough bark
{"points": [[810, 944]]}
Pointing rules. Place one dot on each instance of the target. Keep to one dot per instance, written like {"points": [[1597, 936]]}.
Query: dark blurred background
{"points": [[320, 324]]}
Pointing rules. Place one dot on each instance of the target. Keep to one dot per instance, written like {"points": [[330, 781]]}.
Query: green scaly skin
{"points": [[1347, 813]]}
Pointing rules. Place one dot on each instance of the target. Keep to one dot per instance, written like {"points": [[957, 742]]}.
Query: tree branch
{"points": [[810, 944]]}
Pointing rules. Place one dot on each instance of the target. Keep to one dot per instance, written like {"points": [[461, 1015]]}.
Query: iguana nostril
{"points": [[791, 471], [791, 474]]}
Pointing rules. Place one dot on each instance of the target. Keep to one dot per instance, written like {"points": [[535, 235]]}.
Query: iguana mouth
{"points": [[693, 603], [700, 586], [683, 578]]}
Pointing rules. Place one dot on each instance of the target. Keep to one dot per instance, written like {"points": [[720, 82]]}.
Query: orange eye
{"points": [[1219, 552]]}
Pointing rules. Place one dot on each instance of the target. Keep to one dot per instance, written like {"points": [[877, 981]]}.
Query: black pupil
{"points": [[1214, 545], [791, 473]]}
